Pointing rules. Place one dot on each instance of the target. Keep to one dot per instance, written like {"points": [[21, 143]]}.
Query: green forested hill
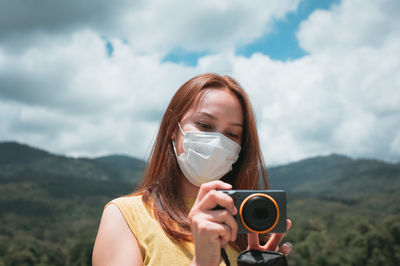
{"points": [[121, 167], [52, 220], [336, 175], [344, 211], [19, 159], [13, 153]]}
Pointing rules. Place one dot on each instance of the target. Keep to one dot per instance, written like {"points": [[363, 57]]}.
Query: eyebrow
{"points": [[215, 118]]}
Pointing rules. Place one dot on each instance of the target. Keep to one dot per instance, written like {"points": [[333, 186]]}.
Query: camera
{"points": [[259, 211]]}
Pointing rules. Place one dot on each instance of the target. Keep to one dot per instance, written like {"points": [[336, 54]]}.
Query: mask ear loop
{"points": [[173, 145], [183, 132], [173, 142]]}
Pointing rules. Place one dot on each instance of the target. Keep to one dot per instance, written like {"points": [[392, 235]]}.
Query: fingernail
{"points": [[287, 245]]}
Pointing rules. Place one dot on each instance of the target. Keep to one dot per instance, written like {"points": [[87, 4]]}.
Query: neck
{"points": [[188, 189]]}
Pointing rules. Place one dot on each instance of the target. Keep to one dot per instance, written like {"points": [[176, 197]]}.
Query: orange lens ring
{"points": [[261, 195]]}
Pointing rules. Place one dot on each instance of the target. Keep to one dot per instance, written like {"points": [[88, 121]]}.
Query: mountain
{"points": [[121, 167], [20, 160], [362, 184], [336, 176], [13, 153], [50, 205], [344, 211]]}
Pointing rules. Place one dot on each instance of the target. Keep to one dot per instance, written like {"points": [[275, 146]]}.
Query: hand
{"points": [[273, 242], [212, 229]]}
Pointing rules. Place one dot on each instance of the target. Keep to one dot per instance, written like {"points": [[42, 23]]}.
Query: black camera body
{"points": [[259, 211]]}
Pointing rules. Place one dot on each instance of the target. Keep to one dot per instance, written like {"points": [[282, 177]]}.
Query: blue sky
{"points": [[280, 44]]}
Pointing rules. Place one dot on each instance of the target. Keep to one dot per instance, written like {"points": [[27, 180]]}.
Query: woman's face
{"points": [[217, 110]]}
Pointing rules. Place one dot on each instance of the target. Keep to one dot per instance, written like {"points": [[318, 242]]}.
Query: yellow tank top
{"points": [[156, 247]]}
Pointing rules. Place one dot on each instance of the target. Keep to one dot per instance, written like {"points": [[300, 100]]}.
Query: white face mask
{"points": [[206, 156]]}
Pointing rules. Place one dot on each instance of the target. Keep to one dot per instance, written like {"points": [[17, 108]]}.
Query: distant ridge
{"points": [[322, 176], [310, 170], [337, 176], [18, 160], [14, 152], [119, 160]]}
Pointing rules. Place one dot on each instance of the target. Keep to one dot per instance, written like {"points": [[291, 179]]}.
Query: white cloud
{"points": [[151, 27], [200, 25], [65, 94], [344, 97], [353, 24], [73, 98]]}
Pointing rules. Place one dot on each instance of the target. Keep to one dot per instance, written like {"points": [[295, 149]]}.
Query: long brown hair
{"points": [[160, 189]]}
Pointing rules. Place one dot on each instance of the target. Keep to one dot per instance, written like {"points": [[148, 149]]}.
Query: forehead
{"points": [[222, 103]]}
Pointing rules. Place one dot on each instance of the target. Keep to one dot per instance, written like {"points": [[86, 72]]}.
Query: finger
{"points": [[215, 223], [204, 228], [216, 231], [224, 217], [273, 242], [225, 236], [253, 241], [214, 198], [286, 248], [213, 185], [288, 224], [275, 239]]}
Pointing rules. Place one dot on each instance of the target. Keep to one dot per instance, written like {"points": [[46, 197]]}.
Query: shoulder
{"points": [[115, 243], [132, 209], [127, 201]]}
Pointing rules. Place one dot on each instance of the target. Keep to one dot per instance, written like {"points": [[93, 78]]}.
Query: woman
{"points": [[207, 141]]}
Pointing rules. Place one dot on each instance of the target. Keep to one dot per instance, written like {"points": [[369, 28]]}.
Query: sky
{"points": [[92, 78]]}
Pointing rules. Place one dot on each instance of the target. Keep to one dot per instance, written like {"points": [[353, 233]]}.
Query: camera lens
{"points": [[259, 213]]}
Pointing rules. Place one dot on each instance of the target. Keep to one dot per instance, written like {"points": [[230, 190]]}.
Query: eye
{"points": [[233, 135], [204, 125]]}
